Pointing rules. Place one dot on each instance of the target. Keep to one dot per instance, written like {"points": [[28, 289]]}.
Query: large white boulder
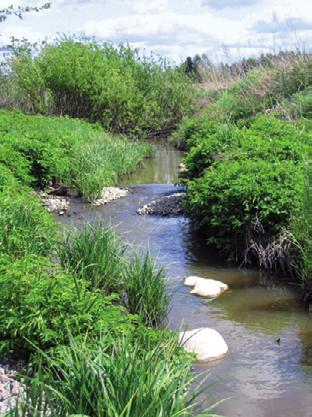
{"points": [[207, 344], [203, 287]]}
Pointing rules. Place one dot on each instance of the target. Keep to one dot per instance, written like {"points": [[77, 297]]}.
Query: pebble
{"points": [[169, 205], [10, 387], [54, 203], [110, 194]]}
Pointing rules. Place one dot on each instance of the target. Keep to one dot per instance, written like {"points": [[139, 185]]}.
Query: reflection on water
{"points": [[268, 372]]}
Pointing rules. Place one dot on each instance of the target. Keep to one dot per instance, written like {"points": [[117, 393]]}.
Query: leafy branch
{"points": [[19, 11]]}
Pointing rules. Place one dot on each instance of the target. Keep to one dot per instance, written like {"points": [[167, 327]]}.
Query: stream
{"points": [[262, 376]]}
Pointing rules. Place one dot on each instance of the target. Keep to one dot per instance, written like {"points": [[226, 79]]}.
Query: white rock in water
{"points": [[203, 287], [206, 343]]}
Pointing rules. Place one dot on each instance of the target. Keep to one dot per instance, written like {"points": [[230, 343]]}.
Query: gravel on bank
{"points": [[10, 387], [110, 194], [54, 203], [169, 205]]}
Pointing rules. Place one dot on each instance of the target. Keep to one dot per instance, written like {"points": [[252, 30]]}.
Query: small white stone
{"points": [[203, 287], [207, 344]]}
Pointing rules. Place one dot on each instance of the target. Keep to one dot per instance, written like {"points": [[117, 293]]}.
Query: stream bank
{"points": [[268, 372]]}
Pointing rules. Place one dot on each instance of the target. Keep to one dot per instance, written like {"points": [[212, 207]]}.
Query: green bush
{"points": [[41, 306], [113, 85], [41, 150], [232, 196], [266, 138], [191, 131]]}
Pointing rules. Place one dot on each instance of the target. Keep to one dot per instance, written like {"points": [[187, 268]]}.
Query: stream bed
{"points": [[268, 371]]}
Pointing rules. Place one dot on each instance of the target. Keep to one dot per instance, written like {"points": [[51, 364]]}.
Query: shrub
{"points": [[266, 138], [113, 85], [231, 198], [41, 306], [146, 296], [191, 131], [96, 255], [42, 150]]}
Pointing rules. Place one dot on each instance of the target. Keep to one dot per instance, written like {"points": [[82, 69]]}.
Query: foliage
{"points": [[41, 305], [123, 377], [19, 11], [191, 131], [42, 150], [25, 227], [145, 289], [247, 185], [125, 92], [96, 255]]}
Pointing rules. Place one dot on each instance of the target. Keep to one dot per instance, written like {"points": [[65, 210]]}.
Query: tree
{"points": [[19, 11]]}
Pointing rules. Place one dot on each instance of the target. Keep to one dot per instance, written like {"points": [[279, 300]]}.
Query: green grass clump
{"points": [[145, 289], [96, 255], [123, 377], [125, 92], [103, 161]]}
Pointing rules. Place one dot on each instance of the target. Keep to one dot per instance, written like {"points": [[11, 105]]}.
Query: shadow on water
{"points": [[268, 372]]}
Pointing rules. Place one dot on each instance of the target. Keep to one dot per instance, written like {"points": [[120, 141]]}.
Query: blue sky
{"points": [[223, 29]]}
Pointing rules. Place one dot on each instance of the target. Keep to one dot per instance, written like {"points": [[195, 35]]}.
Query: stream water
{"points": [[260, 377]]}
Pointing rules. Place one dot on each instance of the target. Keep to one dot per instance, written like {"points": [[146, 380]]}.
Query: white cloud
{"points": [[171, 27]]}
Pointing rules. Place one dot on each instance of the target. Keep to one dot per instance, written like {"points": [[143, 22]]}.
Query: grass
{"points": [[102, 162], [145, 289], [126, 378], [95, 254]]}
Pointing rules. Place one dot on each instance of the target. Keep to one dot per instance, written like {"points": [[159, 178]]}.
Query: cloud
{"points": [[285, 25], [176, 34], [222, 4]]}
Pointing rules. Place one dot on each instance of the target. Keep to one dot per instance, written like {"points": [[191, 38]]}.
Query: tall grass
{"points": [[95, 254], [116, 378], [144, 285], [102, 161]]}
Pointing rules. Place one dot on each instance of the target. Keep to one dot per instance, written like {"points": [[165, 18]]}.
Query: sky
{"points": [[223, 29]]}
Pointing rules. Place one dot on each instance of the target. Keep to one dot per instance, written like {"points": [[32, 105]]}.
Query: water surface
{"points": [[261, 377]]}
